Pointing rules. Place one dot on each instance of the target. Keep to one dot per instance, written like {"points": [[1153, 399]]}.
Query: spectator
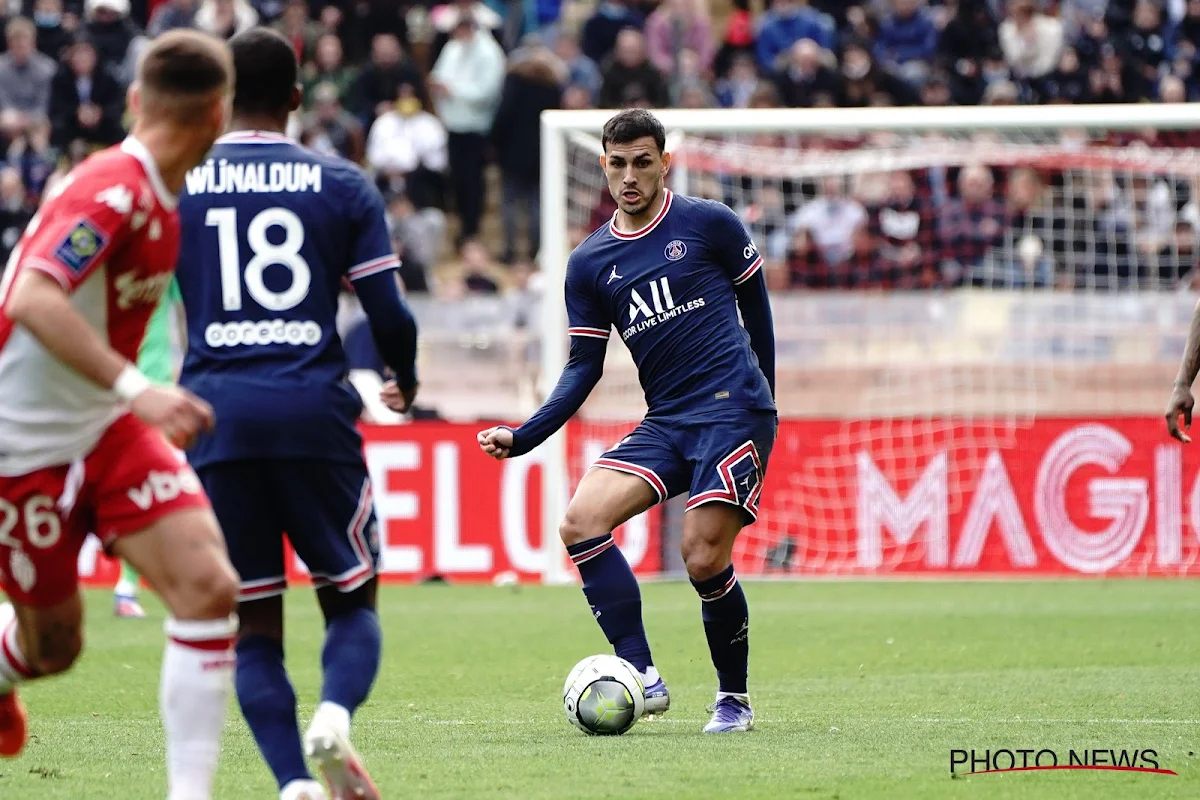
{"points": [[329, 129], [675, 26], [1031, 41], [327, 67], [86, 102], [695, 94], [362, 21], [15, 212], [629, 77], [903, 225], [738, 41], [582, 71], [172, 15], [804, 76], [225, 18], [110, 31], [408, 148], [599, 34], [298, 29], [377, 85], [31, 155], [830, 220], [1023, 258], [864, 83], [1186, 33], [446, 18], [419, 231], [1145, 45], [466, 82], [25, 77], [577, 98], [907, 38], [1068, 83], [54, 28], [786, 23], [967, 38], [971, 223], [533, 85], [1110, 81]]}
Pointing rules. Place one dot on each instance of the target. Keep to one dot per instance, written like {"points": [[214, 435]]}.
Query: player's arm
{"points": [[589, 340], [39, 302], [741, 260], [1181, 401], [373, 273]]}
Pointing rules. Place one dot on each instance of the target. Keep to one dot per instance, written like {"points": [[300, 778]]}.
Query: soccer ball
{"points": [[604, 696]]}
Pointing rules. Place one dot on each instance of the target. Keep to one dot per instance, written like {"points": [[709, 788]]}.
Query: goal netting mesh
{"points": [[975, 331]]}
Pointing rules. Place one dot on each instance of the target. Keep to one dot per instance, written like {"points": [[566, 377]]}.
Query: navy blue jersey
{"points": [[668, 291], [269, 230]]}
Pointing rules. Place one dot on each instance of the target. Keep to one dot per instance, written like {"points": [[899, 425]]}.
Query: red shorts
{"points": [[131, 479]]}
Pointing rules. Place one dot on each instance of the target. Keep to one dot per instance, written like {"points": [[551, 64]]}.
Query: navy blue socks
{"points": [[268, 703], [616, 600], [727, 628], [350, 658]]}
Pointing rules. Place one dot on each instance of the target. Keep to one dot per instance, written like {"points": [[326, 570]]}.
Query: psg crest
{"points": [[675, 250]]}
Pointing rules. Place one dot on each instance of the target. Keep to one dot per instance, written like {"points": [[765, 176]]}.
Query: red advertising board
{"points": [[931, 497]]}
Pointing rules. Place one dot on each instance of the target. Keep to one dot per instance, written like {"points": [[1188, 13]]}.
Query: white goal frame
{"points": [[557, 128]]}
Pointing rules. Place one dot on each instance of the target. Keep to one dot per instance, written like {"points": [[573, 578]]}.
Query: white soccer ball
{"points": [[604, 695]]}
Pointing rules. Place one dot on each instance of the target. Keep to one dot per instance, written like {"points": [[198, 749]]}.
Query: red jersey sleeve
{"points": [[78, 230]]}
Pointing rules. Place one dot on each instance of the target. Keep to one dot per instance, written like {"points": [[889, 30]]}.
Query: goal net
{"points": [[978, 314]]}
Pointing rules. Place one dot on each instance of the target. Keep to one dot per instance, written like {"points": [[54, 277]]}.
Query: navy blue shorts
{"points": [[714, 461], [324, 508]]}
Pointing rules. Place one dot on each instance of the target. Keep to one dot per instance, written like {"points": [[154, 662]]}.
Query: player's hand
{"points": [[1181, 402], [496, 442], [397, 399], [176, 412]]}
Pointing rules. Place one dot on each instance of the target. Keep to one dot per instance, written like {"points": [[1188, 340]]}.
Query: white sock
{"points": [[125, 589], [197, 679], [650, 676], [745, 698], [13, 669], [334, 716]]}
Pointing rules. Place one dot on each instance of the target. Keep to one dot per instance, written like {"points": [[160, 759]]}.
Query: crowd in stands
{"points": [[428, 96]]}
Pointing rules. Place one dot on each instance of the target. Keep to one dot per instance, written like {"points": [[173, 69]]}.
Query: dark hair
{"points": [[265, 65], [184, 63], [632, 124]]}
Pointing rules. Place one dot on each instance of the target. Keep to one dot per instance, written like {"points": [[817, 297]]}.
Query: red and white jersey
{"points": [[109, 234]]}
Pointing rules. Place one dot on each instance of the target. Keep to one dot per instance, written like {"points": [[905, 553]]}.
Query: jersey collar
{"points": [[254, 137], [138, 150], [662, 213]]}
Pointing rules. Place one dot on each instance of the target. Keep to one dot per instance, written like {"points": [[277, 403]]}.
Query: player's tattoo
{"points": [[1190, 365], [58, 641]]}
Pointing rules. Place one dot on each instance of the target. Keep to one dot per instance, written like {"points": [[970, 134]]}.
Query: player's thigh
{"points": [[39, 556], [150, 510], [244, 500], [328, 511], [642, 470], [730, 458]]}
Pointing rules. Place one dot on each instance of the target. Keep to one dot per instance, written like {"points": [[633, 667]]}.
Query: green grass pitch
{"points": [[861, 689]]}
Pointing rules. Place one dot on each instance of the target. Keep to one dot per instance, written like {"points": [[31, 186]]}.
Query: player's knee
{"points": [[579, 526], [209, 592], [703, 559]]}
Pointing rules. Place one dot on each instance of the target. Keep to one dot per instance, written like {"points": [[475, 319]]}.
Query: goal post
{"points": [[919, 376]]}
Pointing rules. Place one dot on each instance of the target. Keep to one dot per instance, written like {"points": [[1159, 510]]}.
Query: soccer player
{"points": [[82, 445], [155, 362], [670, 273], [270, 230]]}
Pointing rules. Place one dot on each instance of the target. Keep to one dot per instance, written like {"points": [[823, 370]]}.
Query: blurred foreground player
{"points": [[670, 274], [270, 230], [81, 429]]}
